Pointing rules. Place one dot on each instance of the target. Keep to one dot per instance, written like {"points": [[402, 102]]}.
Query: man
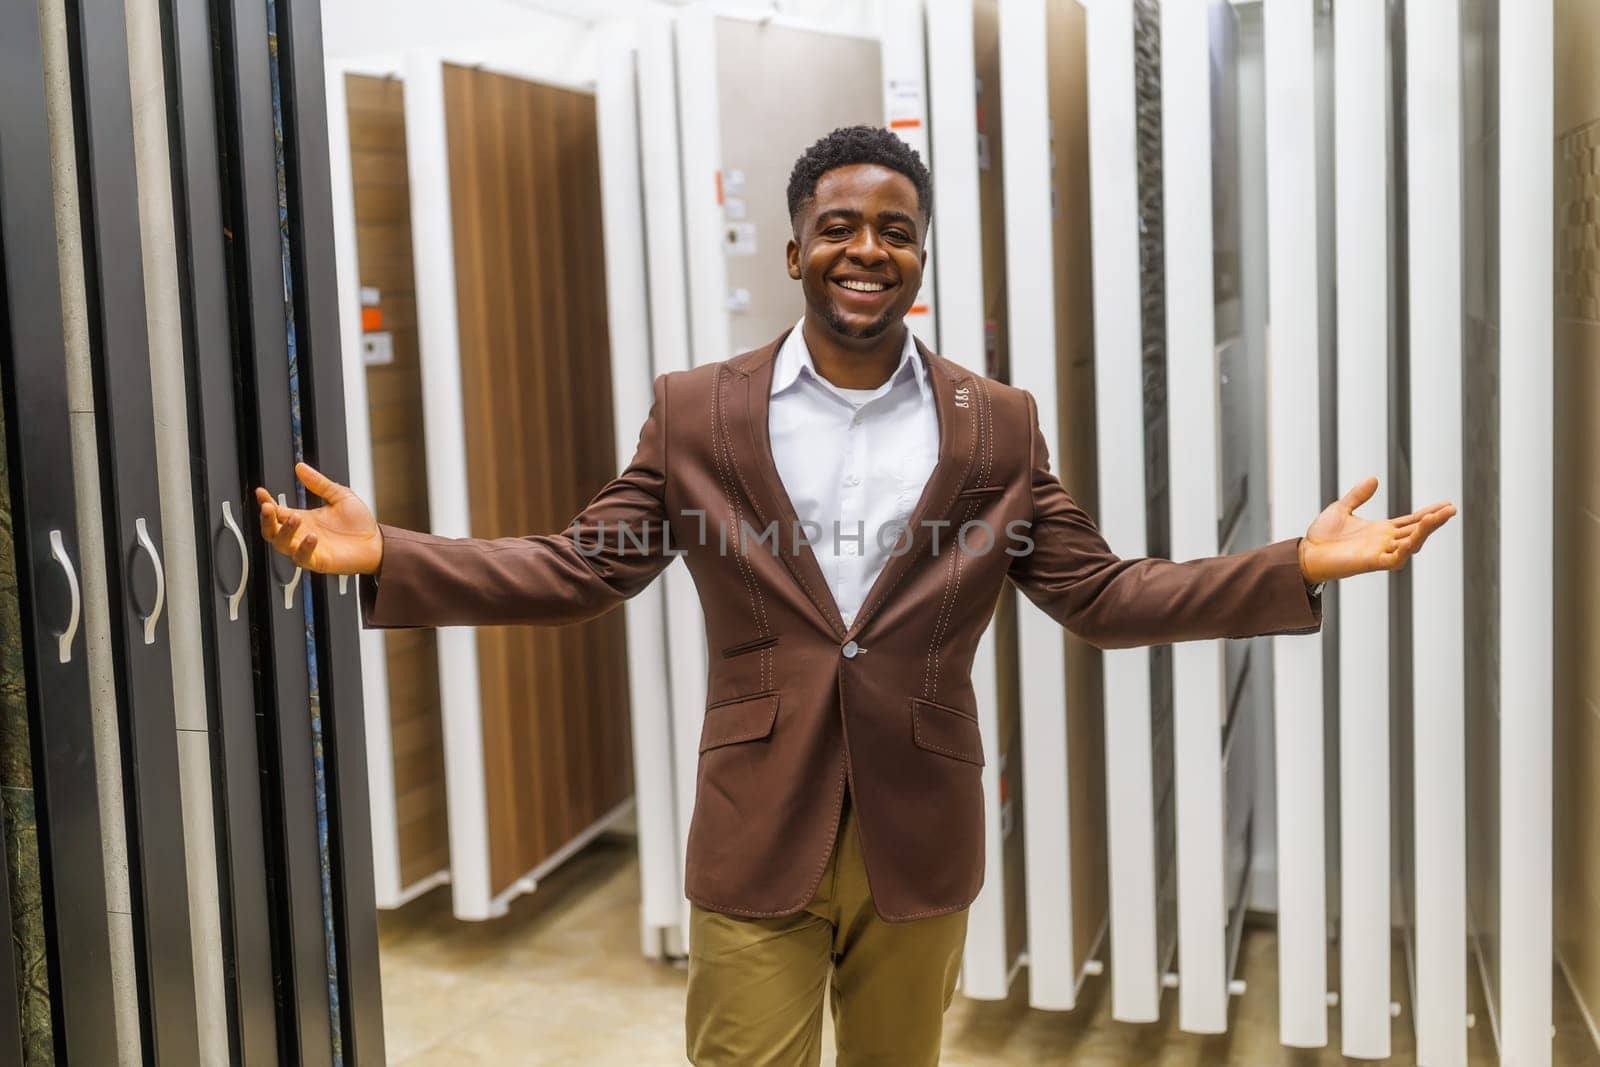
{"points": [[848, 504]]}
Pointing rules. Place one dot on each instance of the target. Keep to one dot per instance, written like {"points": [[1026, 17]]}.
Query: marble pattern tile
{"points": [[21, 830]]}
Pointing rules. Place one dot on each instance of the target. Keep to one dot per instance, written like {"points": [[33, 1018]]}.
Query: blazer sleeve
{"points": [[1110, 602], [610, 551]]}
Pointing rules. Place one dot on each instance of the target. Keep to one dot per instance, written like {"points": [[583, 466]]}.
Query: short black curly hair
{"points": [[850, 145]]}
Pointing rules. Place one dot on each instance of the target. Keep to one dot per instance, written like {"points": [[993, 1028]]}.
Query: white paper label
{"points": [[377, 349], [740, 239]]}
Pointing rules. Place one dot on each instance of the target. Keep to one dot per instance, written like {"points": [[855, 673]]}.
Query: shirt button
{"points": [[850, 649]]}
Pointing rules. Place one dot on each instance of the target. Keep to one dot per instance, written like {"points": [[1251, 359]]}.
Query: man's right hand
{"points": [[340, 537]]}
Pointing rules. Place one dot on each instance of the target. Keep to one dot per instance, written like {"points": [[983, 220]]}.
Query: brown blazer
{"points": [[798, 704]]}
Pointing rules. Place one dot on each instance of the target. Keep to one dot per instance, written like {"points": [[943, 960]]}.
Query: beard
{"points": [[872, 329]]}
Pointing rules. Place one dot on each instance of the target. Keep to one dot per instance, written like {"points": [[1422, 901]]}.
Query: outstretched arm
{"points": [[610, 551], [1112, 602]]}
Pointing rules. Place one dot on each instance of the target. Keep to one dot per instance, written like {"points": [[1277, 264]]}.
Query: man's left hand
{"points": [[1341, 543]]}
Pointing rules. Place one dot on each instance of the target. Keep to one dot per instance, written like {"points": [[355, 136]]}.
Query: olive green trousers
{"points": [[756, 985]]}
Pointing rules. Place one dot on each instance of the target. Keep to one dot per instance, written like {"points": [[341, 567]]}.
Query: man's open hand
{"points": [[1341, 543], [341, 537]]}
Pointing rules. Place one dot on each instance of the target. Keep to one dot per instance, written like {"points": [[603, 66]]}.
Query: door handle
{"points": [[58, 552], [244, 560], [141, 534], [290, 586]]}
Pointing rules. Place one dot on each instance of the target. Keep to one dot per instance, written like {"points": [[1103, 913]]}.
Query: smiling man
{"points": [[839, 496]]}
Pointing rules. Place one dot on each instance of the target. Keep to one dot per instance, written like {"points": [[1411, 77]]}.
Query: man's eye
{"points": [[837, 231], [898, 235]]}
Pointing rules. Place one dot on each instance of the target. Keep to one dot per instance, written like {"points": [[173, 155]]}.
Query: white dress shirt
{"points": [[853, 461]]}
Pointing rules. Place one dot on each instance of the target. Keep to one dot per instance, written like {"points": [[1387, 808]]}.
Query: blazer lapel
{"points": [[955, 400], [746, 396]]}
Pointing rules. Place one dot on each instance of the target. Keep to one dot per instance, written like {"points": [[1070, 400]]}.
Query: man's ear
{"points": [[792, 254]]}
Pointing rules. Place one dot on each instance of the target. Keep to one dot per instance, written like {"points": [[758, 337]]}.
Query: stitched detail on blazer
{"points": [[986, 431], [911, 566], [982, 444], [720, 453], [986, 428], [826, 607], [981, 490], [986, 470], [972, 755], [758, 724], [749, 646]]}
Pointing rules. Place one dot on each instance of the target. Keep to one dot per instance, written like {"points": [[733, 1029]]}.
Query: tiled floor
{"points": [[560, 980]]}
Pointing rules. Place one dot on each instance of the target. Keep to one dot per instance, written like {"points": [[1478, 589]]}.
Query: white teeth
{"points": [[863, 287]]}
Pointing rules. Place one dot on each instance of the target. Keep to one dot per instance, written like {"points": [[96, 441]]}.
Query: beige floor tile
{"points": [[560, 980]]}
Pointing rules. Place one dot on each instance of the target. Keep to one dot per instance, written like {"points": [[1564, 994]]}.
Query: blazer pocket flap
{"points": [[946, 730], [981, 490], [742, 719]]}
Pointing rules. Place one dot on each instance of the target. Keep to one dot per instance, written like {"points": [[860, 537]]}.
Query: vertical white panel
{"points": [[1119, 411], [1361, 222], [953, 127], [1295, 462], [985, 970], [1527, 124], [700, 144], [1031, 333], [628, 311], [1251, 70], [1434, 217], [905, 111], [374, 671], [669, 342], [444, 435], [700, 155], [1192, 429]]}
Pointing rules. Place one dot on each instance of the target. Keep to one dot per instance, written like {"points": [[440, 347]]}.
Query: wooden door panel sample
{"points": [[530, 281], [394, 403]]}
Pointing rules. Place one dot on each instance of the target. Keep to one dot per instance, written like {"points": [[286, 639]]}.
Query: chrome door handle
{"points": [[244, 560], [293, 583], [141, 534], [58, 552]]}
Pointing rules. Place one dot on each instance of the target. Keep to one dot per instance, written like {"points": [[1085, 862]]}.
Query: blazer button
{"points": [[850, 649]]}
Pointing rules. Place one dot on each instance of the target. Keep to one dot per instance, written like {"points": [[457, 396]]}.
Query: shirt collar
{"points": [[794, 357]]}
